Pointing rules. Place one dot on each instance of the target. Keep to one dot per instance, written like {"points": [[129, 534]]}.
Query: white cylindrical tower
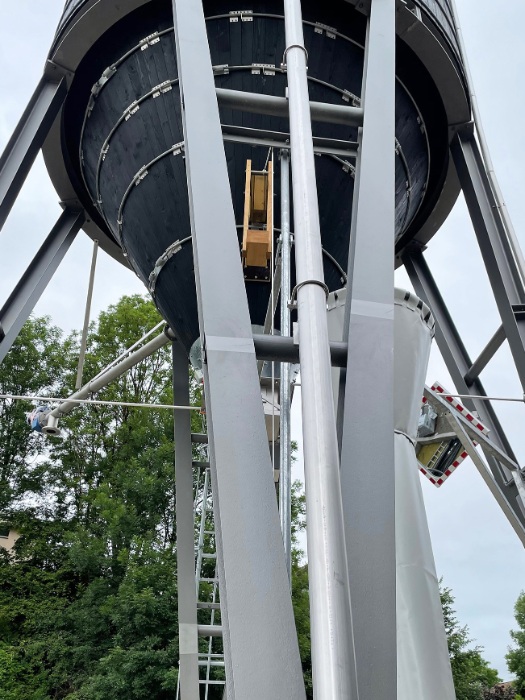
{"points": [[423, 660]]}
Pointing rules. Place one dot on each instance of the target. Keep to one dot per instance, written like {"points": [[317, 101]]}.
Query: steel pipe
{"points": [[276, 348], [285, 461], [279, 107], [280, 139], [85, 329], [331, 625], [118, 370]]}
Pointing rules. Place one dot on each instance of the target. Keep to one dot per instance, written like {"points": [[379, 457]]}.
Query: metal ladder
{"points": [[208, 600], [207, 584]]}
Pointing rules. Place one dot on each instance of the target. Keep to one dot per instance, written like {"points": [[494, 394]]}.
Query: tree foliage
{"points": [[88, 602], [88, 599], [516, 655], [472, 674]]}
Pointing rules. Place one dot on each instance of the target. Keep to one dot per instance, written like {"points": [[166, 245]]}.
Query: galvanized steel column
{"points": [[261, 650], [331, 624], [285, 446]]}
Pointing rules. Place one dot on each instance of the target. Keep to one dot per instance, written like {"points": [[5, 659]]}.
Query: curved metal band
{"points": [[294, 46], [176, 150], [297, 287], [170, 251]]}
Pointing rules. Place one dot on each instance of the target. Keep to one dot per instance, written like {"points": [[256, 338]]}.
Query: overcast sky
{"points": [[476, 550]]}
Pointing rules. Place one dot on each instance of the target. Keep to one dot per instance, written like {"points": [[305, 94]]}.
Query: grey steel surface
{"points": [[502, 270], [458, 364], [486, 355], [285, 445], [280, 139], [367, 447], [27, 140], [441, 12], [275, 348], [252, 572], [187, 596], [485, 152], [35, 279], [330, 614], [278, 107]]}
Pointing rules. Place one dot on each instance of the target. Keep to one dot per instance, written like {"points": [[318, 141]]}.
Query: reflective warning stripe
{"points": [[438, 388]]}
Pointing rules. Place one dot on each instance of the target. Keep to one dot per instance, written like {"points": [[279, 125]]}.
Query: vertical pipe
{"points": [[331, 624], [285, 481], [85, 329]]}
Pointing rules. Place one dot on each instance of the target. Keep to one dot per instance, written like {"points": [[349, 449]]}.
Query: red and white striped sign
{"points": [[476, 423]]}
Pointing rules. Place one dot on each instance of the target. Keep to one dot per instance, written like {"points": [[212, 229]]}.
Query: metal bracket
{"points": [[148, 41], [266, 68], [170, 251], [292, 305], [331, 32], [243, 15]]}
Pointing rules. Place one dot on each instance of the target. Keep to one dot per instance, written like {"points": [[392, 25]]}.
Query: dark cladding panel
{"points": [[122, 133]]}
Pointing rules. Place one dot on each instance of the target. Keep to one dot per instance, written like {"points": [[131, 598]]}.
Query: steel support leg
{"points": [[367, 447], [187, 598], [35, 279], [494, 244], [285, 446], [27, 139], [261, 650], [330, 614], [458, 364]]}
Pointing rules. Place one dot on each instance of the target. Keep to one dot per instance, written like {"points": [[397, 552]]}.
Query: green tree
{"points": [[472, 674], [300, 595], [516, 655], [88, 602], [32, 367]]}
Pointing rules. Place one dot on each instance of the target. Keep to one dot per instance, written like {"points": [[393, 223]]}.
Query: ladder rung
{"points": [[209, 630], [200, 465], [208, 606], [199, 438], [205, 682], [208, 580], [217, 664], [203, 656], [209, 556], [209, 532]]}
